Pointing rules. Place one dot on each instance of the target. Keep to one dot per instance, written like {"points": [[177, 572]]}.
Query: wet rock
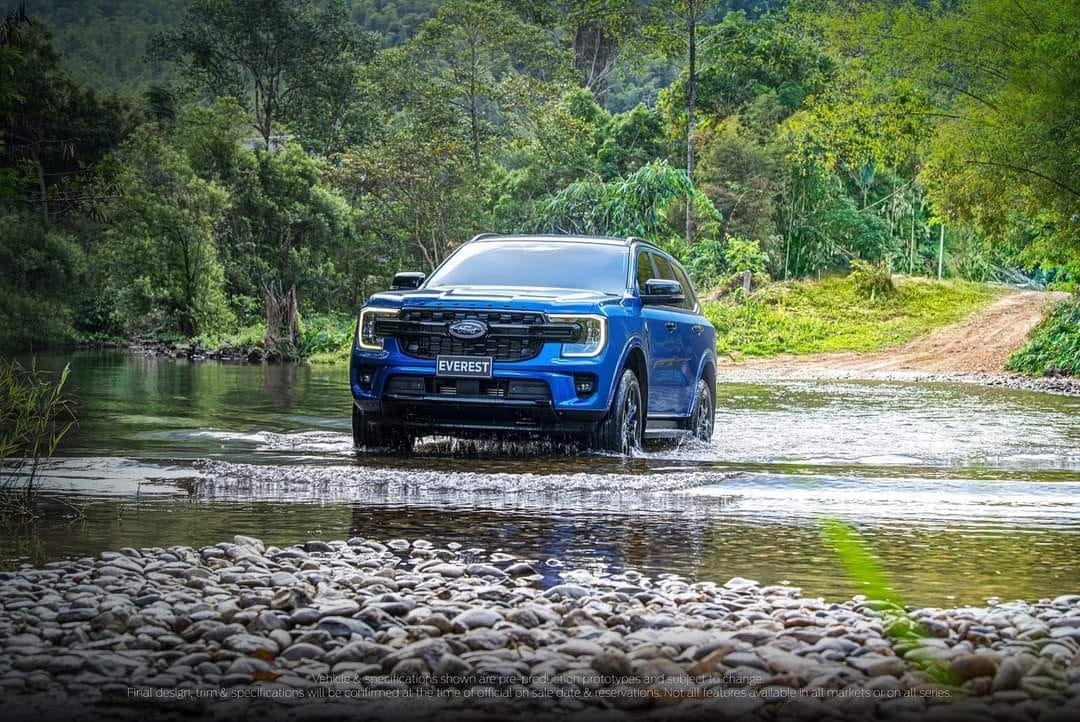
{"points": [[65, 664], [345, 627], [876, 665], [428, 650], [1008, 676], [969, 666], [303, 650], [581, 648], [612, 664], [521, 569], [567, 591], [485, 570], [250, 644], [473, 618], [451, 665], [451, 571], [337, 607]]}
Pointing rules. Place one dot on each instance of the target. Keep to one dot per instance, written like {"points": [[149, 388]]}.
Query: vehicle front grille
{"points": [[513, 389], [512, 335]]}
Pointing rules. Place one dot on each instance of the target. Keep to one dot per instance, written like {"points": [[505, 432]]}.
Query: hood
{"points": [[532, 299]]}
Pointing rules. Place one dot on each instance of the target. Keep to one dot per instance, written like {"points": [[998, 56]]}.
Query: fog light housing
{"points": [[365, 376], [584, 384]]}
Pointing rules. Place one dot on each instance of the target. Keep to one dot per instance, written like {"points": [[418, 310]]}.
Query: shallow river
{"points": [[961, 492]]}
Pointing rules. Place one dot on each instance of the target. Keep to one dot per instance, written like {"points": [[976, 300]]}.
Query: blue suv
{"points": [[596, 338]]}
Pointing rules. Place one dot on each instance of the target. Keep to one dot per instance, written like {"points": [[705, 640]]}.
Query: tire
{"points": [[622, 429], [367, 435], [702, 416]]}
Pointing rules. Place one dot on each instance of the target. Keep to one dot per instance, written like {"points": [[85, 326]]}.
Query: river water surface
{"points": [[961, 492]]}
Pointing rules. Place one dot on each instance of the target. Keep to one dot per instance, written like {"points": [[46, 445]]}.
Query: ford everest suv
{"points": [[601, 339]]}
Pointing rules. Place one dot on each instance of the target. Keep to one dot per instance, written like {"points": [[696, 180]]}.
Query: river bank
{"points": [[407, 627], [974, 351]]}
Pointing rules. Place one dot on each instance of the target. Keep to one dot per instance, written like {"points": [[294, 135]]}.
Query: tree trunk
{"points": [[474, 115], [594, 53], [940, 251], [911, 263], [691, 100], [282, 321], [43, 188]]}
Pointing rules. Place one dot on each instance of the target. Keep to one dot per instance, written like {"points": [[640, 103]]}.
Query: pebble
{"points": [[410, 615]]}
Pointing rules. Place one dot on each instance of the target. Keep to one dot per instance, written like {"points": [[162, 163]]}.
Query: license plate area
{"points": [[463, 367]]}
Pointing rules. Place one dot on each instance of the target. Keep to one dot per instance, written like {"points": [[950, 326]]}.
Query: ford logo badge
{"points": [[468, 330]]}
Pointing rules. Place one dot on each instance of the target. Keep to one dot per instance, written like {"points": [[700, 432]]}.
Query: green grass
{"points": [[245, 338], [1054, 346], [327, 339], [804, 317]]}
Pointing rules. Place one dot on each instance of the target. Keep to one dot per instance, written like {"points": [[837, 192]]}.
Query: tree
{"points": [[632, 206], [676, 28], [281, 58], [54, 133], [761, 70], [162, 236], [293, 221], [469, 50], [420, 191], [998, 89]]}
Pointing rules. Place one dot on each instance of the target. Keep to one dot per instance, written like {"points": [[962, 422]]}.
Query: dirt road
{"points": [[978, 345]]}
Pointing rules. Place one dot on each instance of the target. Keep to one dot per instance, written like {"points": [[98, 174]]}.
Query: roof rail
{"points": [[480, 236], [634, 239]]}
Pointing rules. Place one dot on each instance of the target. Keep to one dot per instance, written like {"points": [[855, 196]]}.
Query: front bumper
{"points": [[477, 417], [376, 380]]}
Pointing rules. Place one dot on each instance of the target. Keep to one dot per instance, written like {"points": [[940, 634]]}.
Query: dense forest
{"points": [[190, 169]]}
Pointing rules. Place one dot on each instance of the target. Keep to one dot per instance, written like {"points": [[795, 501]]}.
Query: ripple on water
{"points": [[222, 480]]}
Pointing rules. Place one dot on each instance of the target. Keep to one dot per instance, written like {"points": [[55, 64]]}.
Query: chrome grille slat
{"points": [[512, 335]]}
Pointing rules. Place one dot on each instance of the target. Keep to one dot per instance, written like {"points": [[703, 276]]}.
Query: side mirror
{"points": [[407, 281], [662, 292]]}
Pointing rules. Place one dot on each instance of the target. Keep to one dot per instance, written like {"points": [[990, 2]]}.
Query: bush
{"points": [[705, 262], [1054, 347], [327, 334], [34, 417], [872, 279], [710, 262], [741, 254]]}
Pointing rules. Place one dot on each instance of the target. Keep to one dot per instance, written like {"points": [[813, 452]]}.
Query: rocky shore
{"points": [[1063, 385], [408, 630]]}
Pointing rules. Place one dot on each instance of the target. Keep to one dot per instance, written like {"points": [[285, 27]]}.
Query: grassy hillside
{"points": [[833, 315]]}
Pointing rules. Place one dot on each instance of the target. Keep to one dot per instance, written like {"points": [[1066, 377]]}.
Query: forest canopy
{"points": [[185, 169]]}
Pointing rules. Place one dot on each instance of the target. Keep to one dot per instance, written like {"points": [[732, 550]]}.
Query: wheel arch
{"points": [[634, 358], [707, 372], [707, 369]]}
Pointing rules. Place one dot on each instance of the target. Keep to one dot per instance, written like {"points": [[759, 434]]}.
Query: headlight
{"points": [[365, 328], [592, 339]]}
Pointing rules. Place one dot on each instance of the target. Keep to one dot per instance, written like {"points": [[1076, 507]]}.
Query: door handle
{"points": [[698, 328], [671, 325]]}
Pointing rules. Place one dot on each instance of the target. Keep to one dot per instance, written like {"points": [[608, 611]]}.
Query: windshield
{"points": [[535, 264]]}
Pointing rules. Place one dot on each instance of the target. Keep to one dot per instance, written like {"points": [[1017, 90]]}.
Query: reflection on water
{"points": [[963, 492]]}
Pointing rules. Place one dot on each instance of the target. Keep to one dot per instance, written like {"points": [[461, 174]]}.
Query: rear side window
{"points": [[644, 270]]}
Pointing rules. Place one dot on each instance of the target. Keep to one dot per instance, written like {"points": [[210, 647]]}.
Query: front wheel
{"points": [[367, 435], [702, 415], [621, 431]]}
